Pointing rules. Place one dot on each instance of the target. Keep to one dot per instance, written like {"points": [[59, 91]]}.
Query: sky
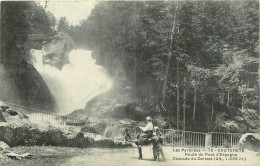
{"points": [[74, 11]]}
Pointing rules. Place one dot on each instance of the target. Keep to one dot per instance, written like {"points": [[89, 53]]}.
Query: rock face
{"points": [[2, 119], [21, 131], [111, 106], [22, 84], [4, 146], [57, 51], [250, 141]]}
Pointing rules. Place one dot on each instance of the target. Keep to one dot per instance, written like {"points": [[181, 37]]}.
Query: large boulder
{"points": [[250, 141], [2, 119], [56, 137], [114, 132], [57, 51], [3, 149], [9, 136], [4, 146], [79, 141]]}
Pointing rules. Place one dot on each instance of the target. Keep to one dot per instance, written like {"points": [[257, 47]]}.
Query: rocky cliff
{"points": [[22, 84], [57, 51]]}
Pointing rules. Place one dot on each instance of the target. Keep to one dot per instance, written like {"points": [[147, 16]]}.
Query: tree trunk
{"points": [[195, 100], [259, 88], [135, 70], [169, 57], [243, 98], [228, 98], [212, 109], [178, 95], [184, 105]]}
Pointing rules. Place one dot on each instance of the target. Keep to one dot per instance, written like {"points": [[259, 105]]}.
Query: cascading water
{"points": [[76, 83]]}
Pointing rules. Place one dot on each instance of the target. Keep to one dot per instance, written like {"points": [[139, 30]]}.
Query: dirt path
{"points": [[129, 157], [122, 157], [66, 156]]}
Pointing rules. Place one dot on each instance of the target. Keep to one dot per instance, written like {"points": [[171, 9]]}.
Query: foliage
{"points": [[63, 25], [19, 21], [214, 54], [13, 38], [24, 26], [214, 49]]}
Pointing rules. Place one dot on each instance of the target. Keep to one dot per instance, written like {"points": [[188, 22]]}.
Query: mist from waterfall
{"points": [[76, 83]]}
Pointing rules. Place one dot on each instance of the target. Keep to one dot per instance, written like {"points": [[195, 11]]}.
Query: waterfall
{"points": [[76, 83]]}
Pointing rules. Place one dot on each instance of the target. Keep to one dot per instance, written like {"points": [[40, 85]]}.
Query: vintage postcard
{"points": [[136, 83]]}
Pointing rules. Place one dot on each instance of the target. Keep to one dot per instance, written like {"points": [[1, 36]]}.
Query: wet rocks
{"points": [[20, 131], [4, 146], [250, 141]]}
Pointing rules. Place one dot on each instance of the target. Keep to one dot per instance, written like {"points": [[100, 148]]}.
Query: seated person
{"points": [[148, 129], [146, 132]]}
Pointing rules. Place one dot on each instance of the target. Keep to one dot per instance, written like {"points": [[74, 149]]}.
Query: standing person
{"points": [[157, 146], [127, 135]]}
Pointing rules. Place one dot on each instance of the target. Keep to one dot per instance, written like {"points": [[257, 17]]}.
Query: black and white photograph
{"points": [[133, 83]]}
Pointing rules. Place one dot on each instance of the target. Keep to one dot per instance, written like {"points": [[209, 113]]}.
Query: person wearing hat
{"points": [[148, 129], [149, 125], [144, 135]]}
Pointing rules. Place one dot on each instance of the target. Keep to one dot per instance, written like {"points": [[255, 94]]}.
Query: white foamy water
{"points": [[77, 82]]}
